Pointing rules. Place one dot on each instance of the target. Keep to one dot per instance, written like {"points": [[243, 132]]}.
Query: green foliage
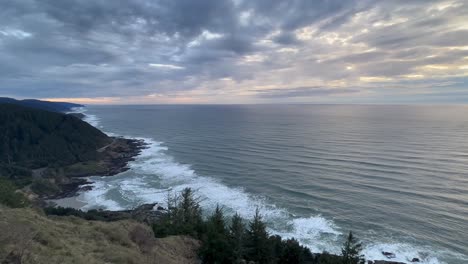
{"points": [[215, 242], [351, 250], [18, 175], [44, 187], [327, 258], [44, 105], [9, 195], [33, 138], [237, 234], [223, 243], [184, 217], [94, 215], [257, 246], [84, 168], [292, 252], [238, 243]]}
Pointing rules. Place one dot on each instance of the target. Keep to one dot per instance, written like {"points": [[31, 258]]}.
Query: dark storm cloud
{"points": [[121, 48], [286, 38]]}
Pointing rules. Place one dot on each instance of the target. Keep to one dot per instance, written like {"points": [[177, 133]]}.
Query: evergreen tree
{"points": [[351, 250], [184, 216], [215, 244], [188, 214], [258, 247], [292, 252], [236, 238]]}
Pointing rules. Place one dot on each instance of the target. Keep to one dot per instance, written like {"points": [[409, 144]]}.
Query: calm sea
{"points": [[395, 175]]}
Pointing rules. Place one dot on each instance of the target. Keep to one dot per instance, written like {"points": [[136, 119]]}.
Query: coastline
{"points": [[112, 160]]}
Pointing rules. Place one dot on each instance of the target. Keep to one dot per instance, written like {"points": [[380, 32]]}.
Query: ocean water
{"points": [[395, 175]]}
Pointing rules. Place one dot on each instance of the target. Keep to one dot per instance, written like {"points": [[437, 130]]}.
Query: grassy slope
{"points": [[40, 239]]}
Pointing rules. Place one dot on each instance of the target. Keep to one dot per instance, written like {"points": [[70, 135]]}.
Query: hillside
{"points": [[28, 236], [46, 152], [33, 138], [43, 105]]}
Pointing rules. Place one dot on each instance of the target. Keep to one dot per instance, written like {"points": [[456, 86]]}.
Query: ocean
{"points": [[397, 176]]}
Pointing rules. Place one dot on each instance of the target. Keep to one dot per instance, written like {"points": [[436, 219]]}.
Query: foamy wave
{"points": [[97, 196], [403, 253], [316, 232], [89, 118]]}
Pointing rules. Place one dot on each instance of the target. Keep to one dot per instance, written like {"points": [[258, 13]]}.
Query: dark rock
{"points": [[13, 257], [388, 254], [144, 213], [415, 260], [387, 262]]}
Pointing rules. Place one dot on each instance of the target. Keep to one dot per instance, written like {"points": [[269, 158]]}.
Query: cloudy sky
{"points": [[235, 51]]}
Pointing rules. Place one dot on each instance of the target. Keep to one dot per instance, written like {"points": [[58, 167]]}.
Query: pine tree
{"points": [[292, 252], [258, 247], [215, 244], [188, 213], [351, 251], [184, 216], [236, 238]]}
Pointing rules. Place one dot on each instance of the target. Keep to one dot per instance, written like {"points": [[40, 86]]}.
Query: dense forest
{"points": [[43, 105], [32, 138]]}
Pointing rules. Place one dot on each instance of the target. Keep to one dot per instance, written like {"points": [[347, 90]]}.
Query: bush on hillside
{"points": [[44, 187], [20, 176], [10, 196]]}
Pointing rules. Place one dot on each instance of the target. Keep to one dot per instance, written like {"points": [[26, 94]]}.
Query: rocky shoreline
{"points": [[112, 159]]}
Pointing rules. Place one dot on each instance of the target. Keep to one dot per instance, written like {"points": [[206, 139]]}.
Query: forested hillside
{"points": [[33, 138], [44, 105]]}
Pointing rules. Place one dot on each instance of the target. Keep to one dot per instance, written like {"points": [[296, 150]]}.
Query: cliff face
{"points": [[29, 236]]}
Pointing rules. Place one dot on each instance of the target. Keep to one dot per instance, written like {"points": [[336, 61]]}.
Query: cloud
{"points": [[166, 66], [301, 49], [302, 92]]}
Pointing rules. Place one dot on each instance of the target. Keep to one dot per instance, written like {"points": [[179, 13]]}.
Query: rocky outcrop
{"points": [[146, 213], [116, 155]]}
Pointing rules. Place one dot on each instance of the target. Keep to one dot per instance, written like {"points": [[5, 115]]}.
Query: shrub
{"points": [[44, 187], [10, 196]]}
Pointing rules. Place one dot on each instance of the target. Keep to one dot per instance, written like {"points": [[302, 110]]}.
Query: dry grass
{"points": [[27, 236]]}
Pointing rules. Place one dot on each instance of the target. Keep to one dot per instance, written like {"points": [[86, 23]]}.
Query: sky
{"points": [[235, 51]]}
